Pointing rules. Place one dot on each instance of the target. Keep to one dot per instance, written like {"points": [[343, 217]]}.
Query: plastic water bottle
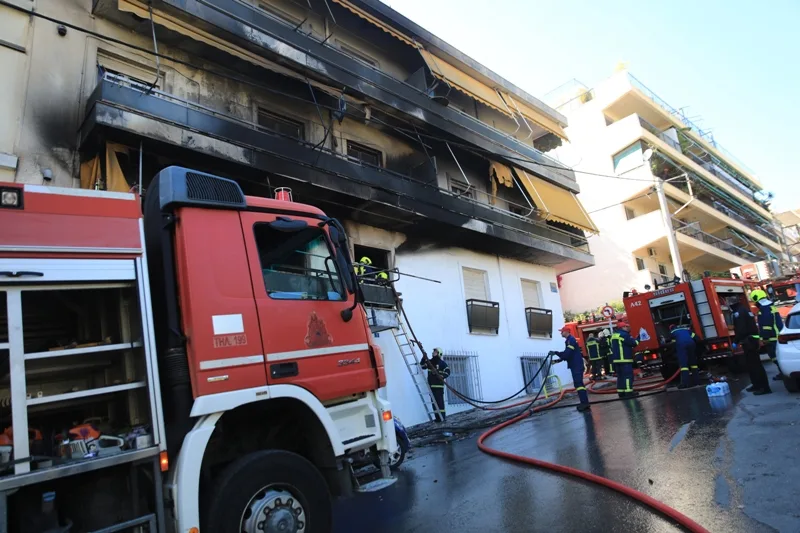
{"points": [[726, 389], [713, 390]]}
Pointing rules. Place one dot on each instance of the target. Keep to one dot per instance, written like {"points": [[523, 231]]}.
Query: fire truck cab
{"points": [[704, 304]]}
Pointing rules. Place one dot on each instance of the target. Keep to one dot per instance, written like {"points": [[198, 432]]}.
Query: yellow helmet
{"points": [[365, 260], [758, 295]]}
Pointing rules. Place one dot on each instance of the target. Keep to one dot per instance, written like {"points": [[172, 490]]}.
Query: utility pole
{"points": [[666, 217]]}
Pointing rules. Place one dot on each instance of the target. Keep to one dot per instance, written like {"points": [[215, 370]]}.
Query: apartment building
{"points": [[714, 203], [435, 164], [790, 231]]}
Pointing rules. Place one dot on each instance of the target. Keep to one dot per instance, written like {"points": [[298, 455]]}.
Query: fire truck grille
{"points": [[211, 189]]}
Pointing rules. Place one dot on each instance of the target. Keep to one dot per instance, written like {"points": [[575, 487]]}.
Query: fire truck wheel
{"points": [[668, 370], [791, 384], [271, 491]]}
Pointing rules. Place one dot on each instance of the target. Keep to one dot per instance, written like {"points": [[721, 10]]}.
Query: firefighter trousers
{"points": [[772, 349], [577, 381], [758, 376], [597, 367], [438, 407], [624, 379], [687, 360]]}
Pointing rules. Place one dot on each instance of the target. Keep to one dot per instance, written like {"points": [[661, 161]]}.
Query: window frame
{"points": [[662, 269], [355, 145], [355, 53], [341, 289], [640, 265], [280, 117], [630, 214], [465, 190]]}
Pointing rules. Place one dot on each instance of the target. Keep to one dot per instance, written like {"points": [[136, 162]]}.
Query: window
{"points": [[122, 70], [461, 188], [662, 269], [281, 125], [278, 14], [530, 293], [464, 376], [364, 154], [356, 54], [297, 265], [475, 284], [640, 264], [629, 213]]}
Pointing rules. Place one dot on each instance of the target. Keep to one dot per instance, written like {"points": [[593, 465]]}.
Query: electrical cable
{"points": [[474, 150]]}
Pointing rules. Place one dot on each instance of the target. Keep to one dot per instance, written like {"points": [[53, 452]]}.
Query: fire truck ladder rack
{"points": [[703, 309]]}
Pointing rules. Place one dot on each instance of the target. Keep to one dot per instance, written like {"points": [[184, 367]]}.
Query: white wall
{"points": [[437, 312]]}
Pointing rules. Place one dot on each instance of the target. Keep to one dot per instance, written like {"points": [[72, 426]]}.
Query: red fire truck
{"points": [[583, 328], [703, 303], [215, 346], [783, 292]]}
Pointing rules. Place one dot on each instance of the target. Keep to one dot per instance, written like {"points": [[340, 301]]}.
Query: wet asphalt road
{"points": [[732, 467]]}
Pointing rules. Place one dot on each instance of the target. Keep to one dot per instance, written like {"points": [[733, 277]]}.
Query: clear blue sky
{"points": [[735, 64]]}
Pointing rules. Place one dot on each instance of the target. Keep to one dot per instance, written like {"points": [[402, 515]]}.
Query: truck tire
{"points": [[271, 491], [668, 370], [395, 459], [791, 384]]}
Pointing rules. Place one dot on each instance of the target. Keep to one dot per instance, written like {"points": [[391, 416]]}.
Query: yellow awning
{"points": [[502, 173], [464, 82], [373, 20], [560, 204], [532, 115]]}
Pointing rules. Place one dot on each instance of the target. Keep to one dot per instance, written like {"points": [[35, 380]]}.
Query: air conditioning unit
{"points": [[651, 252]]}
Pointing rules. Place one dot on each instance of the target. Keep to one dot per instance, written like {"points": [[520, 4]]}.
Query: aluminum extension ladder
{"points": [[405, 343]]}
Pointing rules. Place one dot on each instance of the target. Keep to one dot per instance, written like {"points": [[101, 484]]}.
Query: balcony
{"points": [[694, 231], [239, 36], [183, 132]]}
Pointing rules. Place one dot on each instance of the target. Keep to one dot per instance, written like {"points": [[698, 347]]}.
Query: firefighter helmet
{"points": [[758, 295]]}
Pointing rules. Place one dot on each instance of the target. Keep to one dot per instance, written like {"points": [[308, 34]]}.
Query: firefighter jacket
{"points": [[441, 368], [622, 345], [605, 349], [744, 326], [770, 322], [572, 353], [683, 336], [593, 347]]}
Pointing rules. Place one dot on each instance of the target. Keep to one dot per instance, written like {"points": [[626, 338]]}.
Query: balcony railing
{"points": [[526, 213], [693, 231], [660, 134], [705, 135]]}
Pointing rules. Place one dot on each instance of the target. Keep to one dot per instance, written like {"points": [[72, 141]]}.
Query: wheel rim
{"points": [[273, 510], [394, 458]]}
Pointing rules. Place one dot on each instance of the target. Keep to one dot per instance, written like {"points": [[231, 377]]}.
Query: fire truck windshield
{"points": [[784, 295], [298, 265]]}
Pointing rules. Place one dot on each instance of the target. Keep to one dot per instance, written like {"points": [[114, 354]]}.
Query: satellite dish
{"points": [[648, 154]]}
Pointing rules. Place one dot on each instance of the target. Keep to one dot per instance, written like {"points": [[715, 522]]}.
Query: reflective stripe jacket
{"points": [[443, 370], [683, 336], [622, 345], [770, 322], [593, 347], [572, 353]]}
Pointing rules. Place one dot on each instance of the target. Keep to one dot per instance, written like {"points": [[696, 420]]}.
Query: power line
{"points": [[475, 150]]}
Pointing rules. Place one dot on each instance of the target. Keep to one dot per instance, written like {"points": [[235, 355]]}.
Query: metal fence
{"points": [[531, 362], [465, 376]]}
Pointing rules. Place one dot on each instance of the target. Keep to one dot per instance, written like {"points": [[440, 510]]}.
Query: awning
{"points": [[374, 21], [464, 82], [502, 173], [559, 204], [538, 118]]}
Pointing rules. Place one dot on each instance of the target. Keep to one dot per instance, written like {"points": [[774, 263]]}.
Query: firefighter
{"points": [[605, 350], [438, 371], [685, 350], [366, 271], [572, 355], [622, 345], [746, 334], [595, 357], [770, 324]]}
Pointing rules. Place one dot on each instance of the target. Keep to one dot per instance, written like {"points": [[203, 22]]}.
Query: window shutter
{"points": [[475, 284], [530, 293]]}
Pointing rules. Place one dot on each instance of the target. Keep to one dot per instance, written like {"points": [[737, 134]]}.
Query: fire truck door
{"points": [[300, 294]]}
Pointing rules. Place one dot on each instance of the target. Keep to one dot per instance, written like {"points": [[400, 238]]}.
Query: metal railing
{"points": [[465, 376], [660, 134], [693, 231], [705, 135], [530, 363], [557, 235]]}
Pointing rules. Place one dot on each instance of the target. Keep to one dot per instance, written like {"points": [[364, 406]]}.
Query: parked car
{"points": [[789, 350]]}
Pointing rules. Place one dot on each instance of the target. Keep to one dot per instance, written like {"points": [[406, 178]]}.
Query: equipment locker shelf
{"points": [[72, 351]]}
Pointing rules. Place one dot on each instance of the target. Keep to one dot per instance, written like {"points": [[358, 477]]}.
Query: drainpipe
{"points": [[672, 241]]}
